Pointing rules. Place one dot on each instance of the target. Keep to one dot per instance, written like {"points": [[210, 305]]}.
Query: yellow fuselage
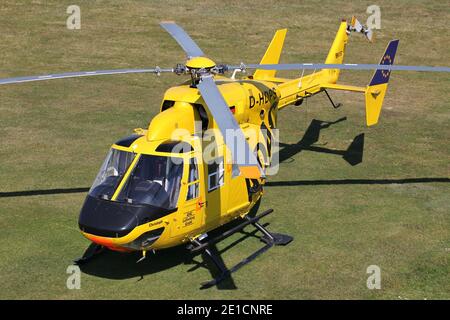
{"points": [[255, 105], [211, 195]]}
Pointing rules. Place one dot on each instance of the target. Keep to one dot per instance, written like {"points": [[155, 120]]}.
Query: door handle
{"points": [[201, 204]]}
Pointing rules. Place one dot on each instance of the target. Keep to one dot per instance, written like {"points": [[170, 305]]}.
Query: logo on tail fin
{"points": [[386, 60], [382, 76]]}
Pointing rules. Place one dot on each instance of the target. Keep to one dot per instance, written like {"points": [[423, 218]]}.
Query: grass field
{"points": [[391, 210]]}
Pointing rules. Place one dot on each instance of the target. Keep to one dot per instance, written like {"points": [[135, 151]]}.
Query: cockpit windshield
{"points": [[155, 180], [111, 173]]}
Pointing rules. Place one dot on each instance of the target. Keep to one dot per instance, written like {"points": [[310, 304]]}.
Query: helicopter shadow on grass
{"points": [[120, 266], [353, 155]]}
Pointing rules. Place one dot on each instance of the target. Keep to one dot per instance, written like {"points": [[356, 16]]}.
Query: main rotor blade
{"points": [[347, 66], [231, 131], [80, 74], [184, 40]]}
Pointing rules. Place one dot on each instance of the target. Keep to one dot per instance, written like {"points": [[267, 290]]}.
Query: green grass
{"points": [[55, 135]]}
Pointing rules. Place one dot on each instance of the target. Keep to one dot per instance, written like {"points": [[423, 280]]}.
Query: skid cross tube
{"points": [[213, 257], [270, 239], [226, 234], [263, 230]]}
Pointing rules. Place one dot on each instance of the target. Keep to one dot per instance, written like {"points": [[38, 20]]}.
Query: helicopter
{"points": [[204, 158]]}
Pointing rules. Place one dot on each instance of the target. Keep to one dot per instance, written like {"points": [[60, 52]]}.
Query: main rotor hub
{"points": [[200, 63]]}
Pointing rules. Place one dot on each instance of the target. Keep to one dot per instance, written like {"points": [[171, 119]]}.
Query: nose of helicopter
{"points": [[109, 223], [108, 218]]}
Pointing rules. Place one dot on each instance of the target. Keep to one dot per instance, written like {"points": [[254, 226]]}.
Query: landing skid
{"points": [[91, 252], [270, 239]]}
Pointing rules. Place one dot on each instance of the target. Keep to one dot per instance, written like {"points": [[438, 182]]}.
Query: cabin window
{"points": [[193, 181], [174, 147], [215, 174], [167, 104]]}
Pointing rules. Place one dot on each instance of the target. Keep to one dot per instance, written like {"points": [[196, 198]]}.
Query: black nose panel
{"points": [[115, 219]]}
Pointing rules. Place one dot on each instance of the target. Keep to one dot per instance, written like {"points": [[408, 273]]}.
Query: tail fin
{"points": [[376, 90], [337, 51], [272, 55]]}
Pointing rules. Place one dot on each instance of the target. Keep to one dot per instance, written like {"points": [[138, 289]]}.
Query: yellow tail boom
{"points": [[293, 91]]}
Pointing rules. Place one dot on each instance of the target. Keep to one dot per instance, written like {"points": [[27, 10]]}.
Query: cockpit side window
{"points": [[193, 180], [111, 173]]}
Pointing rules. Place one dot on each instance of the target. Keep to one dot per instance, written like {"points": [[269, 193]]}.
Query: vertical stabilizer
{"points": [[376, 90], [272, 55]]}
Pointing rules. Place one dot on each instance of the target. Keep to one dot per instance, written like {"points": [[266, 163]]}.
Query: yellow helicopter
{"points": [[203, 160]]}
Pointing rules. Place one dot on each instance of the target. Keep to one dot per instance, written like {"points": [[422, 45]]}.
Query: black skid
{"points": [[270, 239], [335, 105]]}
